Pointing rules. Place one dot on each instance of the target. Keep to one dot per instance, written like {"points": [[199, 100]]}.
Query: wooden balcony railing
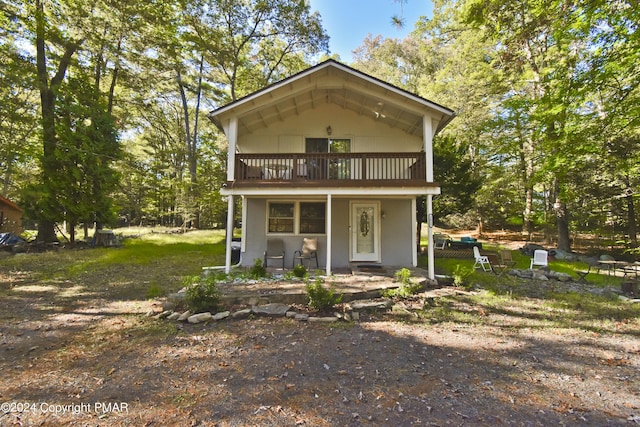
{"points": [[331, 168]]}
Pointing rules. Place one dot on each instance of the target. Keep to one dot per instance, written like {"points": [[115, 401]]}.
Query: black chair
{"points": [[582, 274]]}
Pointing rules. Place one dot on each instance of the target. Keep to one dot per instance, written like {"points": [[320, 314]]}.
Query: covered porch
{"points": [[370, 227]]}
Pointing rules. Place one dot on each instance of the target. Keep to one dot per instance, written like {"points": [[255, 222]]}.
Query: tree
{"points": [[249, 44], [18, 114]]}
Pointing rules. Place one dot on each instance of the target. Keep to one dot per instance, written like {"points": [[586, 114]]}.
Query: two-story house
{"points": [[335, 154]]}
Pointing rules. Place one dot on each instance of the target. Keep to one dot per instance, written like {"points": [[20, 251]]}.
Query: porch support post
{"points": [[427, 138], [414, 225], [329, 215], [430, 250], [232, 137], [227, 263]]}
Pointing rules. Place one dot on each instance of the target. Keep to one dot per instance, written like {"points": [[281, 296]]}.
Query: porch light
{"points": [[329, 130]]}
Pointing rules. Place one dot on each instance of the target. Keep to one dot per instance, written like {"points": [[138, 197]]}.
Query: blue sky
{"points": [[348, 22]]}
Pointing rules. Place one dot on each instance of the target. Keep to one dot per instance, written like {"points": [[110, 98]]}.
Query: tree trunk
{"points": [[562, 220], [631, 218], [48, 95], [527, 224]]}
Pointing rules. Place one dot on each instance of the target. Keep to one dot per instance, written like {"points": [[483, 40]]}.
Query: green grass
{"points": [[519, 301], [146, 266]]}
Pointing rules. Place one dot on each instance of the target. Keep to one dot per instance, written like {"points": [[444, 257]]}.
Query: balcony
{"points": [[331, 169]]}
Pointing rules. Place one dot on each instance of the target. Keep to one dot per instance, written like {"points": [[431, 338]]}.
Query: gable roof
{"points": [[333, 82]]}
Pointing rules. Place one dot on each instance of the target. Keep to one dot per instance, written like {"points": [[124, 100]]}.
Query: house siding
{"points": [[10, 218], [396, 231]]}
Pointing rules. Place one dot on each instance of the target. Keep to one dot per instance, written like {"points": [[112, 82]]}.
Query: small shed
{"points": [[10, 216]]}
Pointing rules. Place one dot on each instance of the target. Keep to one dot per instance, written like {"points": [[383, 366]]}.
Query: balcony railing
{"points": [[331, 168]]}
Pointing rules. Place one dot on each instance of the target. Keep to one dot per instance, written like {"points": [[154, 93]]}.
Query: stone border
{"points": [[351, 313]]}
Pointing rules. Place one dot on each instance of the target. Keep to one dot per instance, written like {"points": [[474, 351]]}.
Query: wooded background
{"points": [[103, 106]]}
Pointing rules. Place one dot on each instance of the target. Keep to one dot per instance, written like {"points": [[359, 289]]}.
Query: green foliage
{"points": [[320, 297], [453, 169], [202, 293], [406, 288], [258, 270], [403, 276], [300, 271], [461, 274]]}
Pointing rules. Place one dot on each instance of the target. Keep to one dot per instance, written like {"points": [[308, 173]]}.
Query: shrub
{"points": [[406, 289], [403, 276], [300, 271], [321, 298], [460, 275], [258, 270], [202, 293]]}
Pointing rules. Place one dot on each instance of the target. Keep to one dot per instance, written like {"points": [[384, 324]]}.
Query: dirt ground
{"points": [[77, 357]]}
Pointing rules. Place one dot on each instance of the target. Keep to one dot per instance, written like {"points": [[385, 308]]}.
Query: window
{"points": [[281, 217], [312, 217], [296, 217]]}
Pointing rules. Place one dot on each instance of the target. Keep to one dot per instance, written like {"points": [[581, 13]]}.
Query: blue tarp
{"points": [[8, 239]]}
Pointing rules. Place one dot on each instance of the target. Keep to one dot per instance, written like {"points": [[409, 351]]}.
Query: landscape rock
{"points": [[327, 319], [221, 315], [200, 317], [241, 314], [351, 316], [184, 316], [371, 305], [162, 315], [273, 309], [302, 317], [530, 248], [174, 300], [173, 316]]}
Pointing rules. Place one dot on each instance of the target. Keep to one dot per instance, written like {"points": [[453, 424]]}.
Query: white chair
{"points": [[539, 258], [481, 260]]}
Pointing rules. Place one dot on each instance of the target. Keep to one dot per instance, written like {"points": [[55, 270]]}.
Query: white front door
{"points": [[365, 231]]}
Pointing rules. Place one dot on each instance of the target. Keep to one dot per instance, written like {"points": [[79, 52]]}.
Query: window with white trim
{"points": [[281, 217], [296, 217]]}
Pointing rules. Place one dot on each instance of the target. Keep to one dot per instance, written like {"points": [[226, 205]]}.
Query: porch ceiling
{"points": [[364, 103]]}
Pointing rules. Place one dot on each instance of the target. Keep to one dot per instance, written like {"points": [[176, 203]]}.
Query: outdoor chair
{"points": [[440, 240], [482, 261], [540, 258], [309, 250], [275, 250], [506, 258], [582, 274], [592, 263], [501, 262]]}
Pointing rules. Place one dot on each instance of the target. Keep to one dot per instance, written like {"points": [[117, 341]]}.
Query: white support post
{"points": [[427, 138], [430, 249], [232, 137], [227, 263], [329, 213]]}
